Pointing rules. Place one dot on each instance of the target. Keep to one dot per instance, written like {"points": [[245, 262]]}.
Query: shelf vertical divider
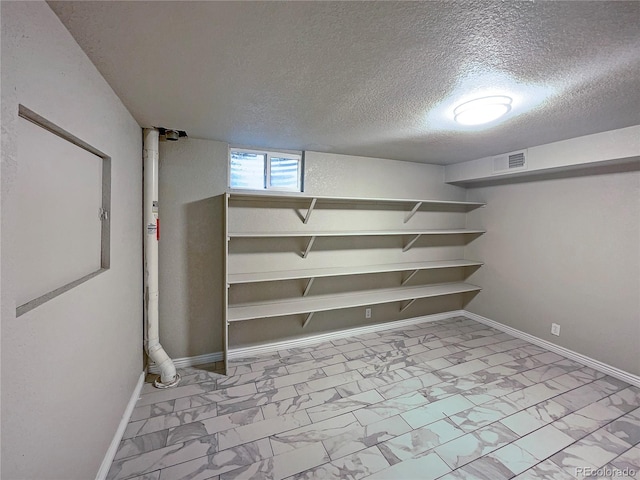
{"points": [[225, 263]]}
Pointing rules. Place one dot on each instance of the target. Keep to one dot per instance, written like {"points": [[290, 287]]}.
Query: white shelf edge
{"points": [[320, 303], [234, 195], [457, 231], [273, 276]]}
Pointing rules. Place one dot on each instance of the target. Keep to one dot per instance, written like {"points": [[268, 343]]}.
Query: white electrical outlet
{"points": [[555, 329], [367, 313]]}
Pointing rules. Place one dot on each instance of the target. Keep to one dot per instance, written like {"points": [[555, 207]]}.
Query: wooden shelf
{"points": [[252, 277], [320, 303]]}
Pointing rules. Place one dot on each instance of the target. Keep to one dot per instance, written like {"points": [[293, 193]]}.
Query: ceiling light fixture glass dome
{"points": [[482, 110]]}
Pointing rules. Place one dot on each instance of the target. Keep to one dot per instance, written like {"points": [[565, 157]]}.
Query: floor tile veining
{"points": [[451, 400]]}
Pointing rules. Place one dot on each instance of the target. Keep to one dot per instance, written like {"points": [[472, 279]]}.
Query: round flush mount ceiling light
{"points": [[482, 110]]}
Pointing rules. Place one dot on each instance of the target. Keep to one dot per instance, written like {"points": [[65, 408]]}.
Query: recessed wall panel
{"points": [[59, 195]]}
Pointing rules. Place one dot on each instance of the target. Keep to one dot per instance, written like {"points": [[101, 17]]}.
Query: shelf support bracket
{"points": [[404, 282], [407, 305], [412, 212], [308, 287], [309, 316], [309, 245], [411, 242], [309, 210]]}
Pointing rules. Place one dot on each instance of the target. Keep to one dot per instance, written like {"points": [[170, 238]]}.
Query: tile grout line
{"points": [[414, 375]]}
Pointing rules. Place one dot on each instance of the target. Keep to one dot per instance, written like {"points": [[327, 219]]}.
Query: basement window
{"points": [[265, 170]]}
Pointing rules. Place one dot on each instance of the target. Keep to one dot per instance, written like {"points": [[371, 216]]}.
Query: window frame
{"points": [[268, 155]]}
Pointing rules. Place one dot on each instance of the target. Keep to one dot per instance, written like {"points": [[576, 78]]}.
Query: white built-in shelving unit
{"points": [[277, 239]]}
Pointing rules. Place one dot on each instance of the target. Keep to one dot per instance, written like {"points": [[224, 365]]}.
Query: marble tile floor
{"points": [[449, 400]]}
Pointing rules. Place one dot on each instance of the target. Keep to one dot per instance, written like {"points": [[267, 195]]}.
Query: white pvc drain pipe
{"points": [[168, 376]]}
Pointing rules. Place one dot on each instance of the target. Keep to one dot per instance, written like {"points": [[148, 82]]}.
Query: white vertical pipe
{"points": [[168, 376]]}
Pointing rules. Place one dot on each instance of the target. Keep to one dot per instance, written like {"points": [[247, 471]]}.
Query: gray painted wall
{"points": [[69, 366], [68, 182], [564, 249], [193, 178]]}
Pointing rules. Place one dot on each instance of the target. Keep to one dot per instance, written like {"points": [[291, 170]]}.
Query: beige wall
{"points": [[566, 250], [193, 177], [70, 365], [611, 147], [346, 175]]}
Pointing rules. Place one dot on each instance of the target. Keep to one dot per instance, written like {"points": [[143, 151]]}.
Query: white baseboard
{"points": [[565, 352], [244, 352], [301, 342], [190, 361], [115, 442], [350, 332]]}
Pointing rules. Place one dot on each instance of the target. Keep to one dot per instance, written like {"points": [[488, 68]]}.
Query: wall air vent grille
{"points": [[516, 160], [510, 162]]}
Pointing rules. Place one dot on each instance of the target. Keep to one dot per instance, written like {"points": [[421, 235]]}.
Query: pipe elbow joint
{"points": [[168, 375]]}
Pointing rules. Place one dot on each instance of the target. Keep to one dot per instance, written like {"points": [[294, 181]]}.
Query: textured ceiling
{"points": [[376, 79]]}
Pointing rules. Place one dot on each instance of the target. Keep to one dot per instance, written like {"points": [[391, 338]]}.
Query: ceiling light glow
{"points": [[482, 110]]}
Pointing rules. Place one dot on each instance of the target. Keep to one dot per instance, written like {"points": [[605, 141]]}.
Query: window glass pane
{"points": [[285, 173], [247, 170]]}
